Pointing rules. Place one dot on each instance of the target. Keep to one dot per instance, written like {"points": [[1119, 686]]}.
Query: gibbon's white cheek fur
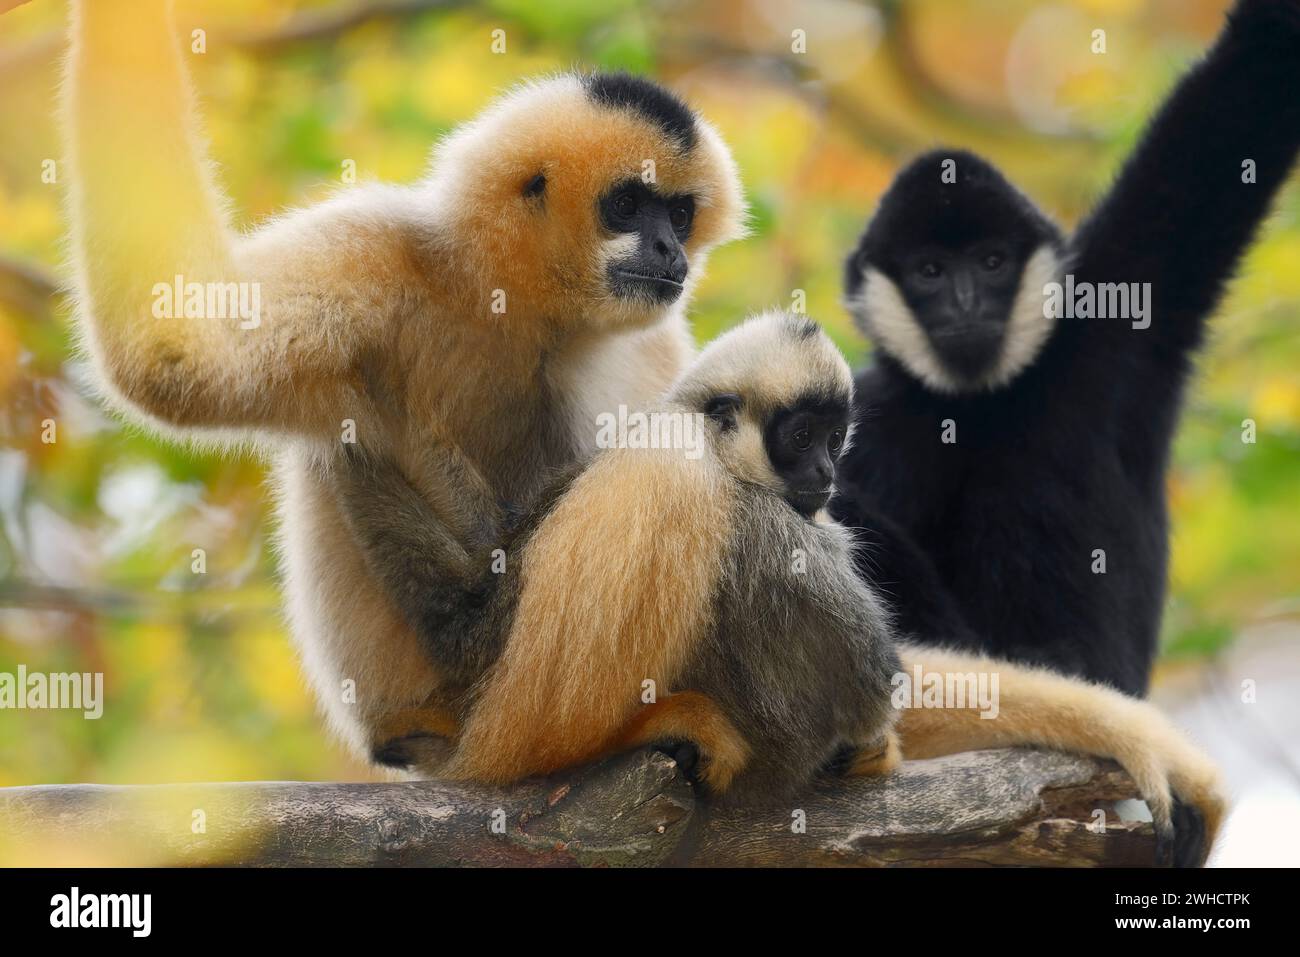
{"points": [[888, 320]]}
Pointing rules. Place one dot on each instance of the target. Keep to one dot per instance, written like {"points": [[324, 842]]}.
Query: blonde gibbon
{"points": [[537, 275], [708, 574]]}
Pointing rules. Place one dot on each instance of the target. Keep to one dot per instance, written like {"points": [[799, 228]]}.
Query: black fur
{"points": [[960, 212], [987, 544], [656, 104]]}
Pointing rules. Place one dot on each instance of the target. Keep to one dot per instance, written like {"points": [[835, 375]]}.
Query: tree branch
{"points": [[1012, 807]]}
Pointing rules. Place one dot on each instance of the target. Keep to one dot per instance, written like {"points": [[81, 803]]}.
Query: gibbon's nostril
{"points": [[662, 249]]}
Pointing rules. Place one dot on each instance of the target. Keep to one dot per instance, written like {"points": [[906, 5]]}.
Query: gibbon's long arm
{"points": [[1179, 215], [1042, 707], [445, 580], [440, 582], [145, 211]]}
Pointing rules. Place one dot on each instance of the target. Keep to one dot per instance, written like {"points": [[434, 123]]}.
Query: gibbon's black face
{"points": [[956, 253], [803, 443], [962, 296], [656, 268]]}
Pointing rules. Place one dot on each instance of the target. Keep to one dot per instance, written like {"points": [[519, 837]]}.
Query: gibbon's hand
{"points": [[1039, 707]]}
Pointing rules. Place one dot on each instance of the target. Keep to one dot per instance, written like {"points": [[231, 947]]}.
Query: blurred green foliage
{"points": [[97, 529]]}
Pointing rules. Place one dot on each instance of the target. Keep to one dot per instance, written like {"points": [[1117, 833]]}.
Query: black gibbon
{"points": [[787, 668], [1008, 479], [536, 276]]}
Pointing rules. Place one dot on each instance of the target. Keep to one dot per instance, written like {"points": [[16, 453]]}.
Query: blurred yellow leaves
{"points": [[268, 667], [1276, 405], [10, 347], [1273, 270], [29, 219]]}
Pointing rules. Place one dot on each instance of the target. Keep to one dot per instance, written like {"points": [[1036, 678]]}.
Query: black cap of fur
{"points": [[652, 101], [920, 209]]}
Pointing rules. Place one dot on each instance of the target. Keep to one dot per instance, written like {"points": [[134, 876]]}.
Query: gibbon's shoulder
{"points": [[365, 210]]}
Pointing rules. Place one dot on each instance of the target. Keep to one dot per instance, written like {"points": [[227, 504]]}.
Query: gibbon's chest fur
{"points": [[527, 408]]}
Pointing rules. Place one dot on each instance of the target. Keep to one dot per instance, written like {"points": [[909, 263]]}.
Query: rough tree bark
{"points": [[1011, 807]]}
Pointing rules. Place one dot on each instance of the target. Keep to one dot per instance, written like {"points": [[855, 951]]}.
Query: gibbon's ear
{"points": [[723, 408]]}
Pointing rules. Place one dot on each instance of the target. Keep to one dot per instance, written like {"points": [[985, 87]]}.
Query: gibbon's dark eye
{"points": [[930, 270], [625, 205], [535, 186], [680, 216], [801, 440], [836, 441], [992, 261]]}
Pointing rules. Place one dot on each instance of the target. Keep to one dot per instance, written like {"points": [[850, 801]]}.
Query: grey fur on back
{"points": [[801, 660]]}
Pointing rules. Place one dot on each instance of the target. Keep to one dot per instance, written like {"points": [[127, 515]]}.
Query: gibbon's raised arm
{"points": [[1180, 213], [316, 288], [1042, 707]]}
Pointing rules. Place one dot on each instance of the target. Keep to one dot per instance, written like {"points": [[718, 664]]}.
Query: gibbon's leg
{"points": [[1039, 707], [694, 719], [421, 737], [187, 322]]}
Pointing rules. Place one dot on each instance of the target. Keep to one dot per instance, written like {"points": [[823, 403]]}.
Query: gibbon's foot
{"points": [[418, 750], [686, 754], [1182, 842], [854, 760], [881, 757], [693, 730]]}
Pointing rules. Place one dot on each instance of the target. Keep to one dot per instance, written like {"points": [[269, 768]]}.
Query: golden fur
{"points": [[1041, 707], [376, 307], [588, 631], [619, 580]]}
